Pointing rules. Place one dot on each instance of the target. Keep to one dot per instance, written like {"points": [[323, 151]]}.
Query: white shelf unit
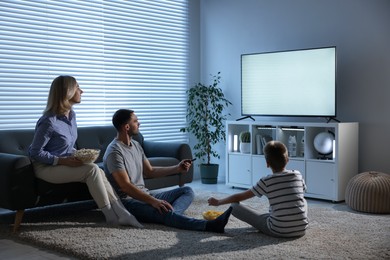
{"points": [[326, 177]]}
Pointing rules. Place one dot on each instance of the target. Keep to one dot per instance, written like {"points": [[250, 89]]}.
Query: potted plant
{"points": [[205, 115], [245, 142]]}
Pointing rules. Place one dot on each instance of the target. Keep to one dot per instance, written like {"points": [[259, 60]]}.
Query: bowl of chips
{"points": [[87, 155], [211, 214]]}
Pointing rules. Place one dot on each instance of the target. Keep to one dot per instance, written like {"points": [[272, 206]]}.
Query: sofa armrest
{"points": [[180, 151], [17, 182]]}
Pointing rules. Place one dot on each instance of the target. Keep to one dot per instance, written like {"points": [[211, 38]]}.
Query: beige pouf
{"points": [[369, 192]]}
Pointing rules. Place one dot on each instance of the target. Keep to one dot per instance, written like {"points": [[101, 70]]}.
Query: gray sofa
{"points": [[20, 190]]}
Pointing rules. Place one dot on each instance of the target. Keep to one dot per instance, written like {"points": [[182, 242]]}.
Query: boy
{"points": [[284, 189]]}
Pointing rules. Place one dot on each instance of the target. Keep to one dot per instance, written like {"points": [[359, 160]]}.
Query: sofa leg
{"points": [[18, 219]]}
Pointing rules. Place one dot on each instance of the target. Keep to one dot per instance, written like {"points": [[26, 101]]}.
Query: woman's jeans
{"points": [[180, 198]]}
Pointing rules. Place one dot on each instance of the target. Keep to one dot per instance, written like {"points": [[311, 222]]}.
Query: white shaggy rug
{"points": [[332, 234]]}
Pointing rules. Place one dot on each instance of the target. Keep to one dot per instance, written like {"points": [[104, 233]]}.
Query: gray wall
{"points": [[360, 30]]}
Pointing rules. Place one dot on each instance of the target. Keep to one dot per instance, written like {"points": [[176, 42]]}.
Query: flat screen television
{"points": [[289, 83]]}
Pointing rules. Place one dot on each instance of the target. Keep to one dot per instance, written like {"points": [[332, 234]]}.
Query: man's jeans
{"points": [[180, 198]]}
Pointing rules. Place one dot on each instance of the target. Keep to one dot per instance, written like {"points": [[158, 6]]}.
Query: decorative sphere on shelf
{"points": [[323, 143]]}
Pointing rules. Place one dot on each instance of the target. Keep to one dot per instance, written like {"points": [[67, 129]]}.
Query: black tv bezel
{"points": [[287, 115]]}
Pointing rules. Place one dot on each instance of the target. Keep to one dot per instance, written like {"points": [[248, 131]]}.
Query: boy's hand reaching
{"points": [[213, 201]]}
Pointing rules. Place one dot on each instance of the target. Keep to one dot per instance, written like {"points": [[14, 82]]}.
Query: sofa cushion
{"points": [[16, 141], [163, 161], [96, 137]]}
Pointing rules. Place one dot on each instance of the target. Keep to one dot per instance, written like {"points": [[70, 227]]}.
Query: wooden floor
{"points": [[12, 250]]}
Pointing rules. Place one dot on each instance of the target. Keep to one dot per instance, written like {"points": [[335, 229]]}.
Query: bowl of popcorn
{"points": [[211, 214], [87, 155]]}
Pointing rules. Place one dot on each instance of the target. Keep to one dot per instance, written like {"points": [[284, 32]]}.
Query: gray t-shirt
{"points": [[120, 156]]}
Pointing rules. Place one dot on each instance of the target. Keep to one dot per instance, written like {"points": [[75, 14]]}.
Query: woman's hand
{"points": [[162, 206], [213, 201], [70, 161]]}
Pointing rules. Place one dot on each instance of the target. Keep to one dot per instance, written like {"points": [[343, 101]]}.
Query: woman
{"points": [[53, 145]]}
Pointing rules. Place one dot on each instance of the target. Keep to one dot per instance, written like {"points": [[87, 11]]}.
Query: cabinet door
{"points": [[259, 169], [239, 170], [320, 179]]}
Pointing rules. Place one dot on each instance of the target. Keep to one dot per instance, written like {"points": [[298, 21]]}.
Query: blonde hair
{"points": [[61, 91], [276, 155]]}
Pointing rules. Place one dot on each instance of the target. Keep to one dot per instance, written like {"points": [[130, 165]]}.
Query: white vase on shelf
{"points": [[245, 147]]}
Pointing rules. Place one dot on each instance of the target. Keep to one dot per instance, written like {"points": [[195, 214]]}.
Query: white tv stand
{"points": [[325, 178]]}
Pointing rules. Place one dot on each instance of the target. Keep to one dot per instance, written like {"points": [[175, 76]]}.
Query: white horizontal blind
{"points": [[124, 54]]}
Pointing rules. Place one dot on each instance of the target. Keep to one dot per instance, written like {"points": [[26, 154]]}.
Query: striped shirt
{"points": [[288, 207]]}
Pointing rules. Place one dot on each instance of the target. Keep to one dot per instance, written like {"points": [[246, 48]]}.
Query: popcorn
{"points": [[87, 155], [211, 214]]}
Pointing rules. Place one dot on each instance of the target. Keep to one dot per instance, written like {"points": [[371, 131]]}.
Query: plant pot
{"points": [[209, 173], [245, 147]]}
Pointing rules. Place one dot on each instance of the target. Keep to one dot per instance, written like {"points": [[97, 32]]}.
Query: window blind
{"points": [[124, 54]]}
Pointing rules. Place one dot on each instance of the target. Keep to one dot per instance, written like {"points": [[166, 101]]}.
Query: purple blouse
{"points": [[55, 136]]}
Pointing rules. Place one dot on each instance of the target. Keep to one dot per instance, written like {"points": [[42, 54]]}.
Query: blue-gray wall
{"points": [[360, 29]]}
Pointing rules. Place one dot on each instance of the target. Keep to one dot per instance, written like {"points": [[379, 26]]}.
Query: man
{"points": [[125, 165]]}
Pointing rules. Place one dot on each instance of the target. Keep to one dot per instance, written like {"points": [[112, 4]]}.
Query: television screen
{"points": [[289, 83]]}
